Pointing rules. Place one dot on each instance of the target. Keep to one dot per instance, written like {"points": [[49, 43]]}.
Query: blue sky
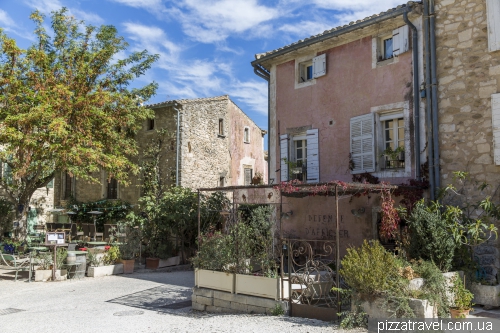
{"points": [[205, 46]]}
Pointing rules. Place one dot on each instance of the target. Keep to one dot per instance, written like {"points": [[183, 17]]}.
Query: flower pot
{"points": [[456, 313], [105, 270], [128, 266], [152, 263], [42, 275], [172, 261]]}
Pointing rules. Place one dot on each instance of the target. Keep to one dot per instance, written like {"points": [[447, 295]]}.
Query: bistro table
{"points": [[34, 249], [97, 244]]}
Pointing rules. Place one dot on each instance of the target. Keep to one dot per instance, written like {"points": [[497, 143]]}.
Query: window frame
{"points": [[221, 132], [381, 114], [150, 124], [110, 181], [245, 169], [246, 134], [300, 137]]}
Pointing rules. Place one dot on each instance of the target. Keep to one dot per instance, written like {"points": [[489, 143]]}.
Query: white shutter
{"points": [[312, 156], [319, 65], [495, 112], [400, 41], [493, 14], [284, 154], [362, 144]]}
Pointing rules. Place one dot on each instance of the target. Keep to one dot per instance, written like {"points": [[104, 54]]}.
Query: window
{"points": [[221, 181], [302, 162], [309, 68], [246, 135], [67, 185], [393, 141], [389, 45], [50, 184], [248, 176], [151, 124], [112, 189], [221, 127], [379, 141], [493, 14], [387, 52], [306, 71]]}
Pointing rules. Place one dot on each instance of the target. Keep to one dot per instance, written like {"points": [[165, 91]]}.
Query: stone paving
{"points": [[145, 301]]}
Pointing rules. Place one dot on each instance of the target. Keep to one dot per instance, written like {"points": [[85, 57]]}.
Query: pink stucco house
{"points": [[344, 103]]}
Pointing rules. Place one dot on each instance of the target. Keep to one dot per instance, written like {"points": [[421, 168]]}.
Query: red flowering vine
{"points": [[390, 217]]}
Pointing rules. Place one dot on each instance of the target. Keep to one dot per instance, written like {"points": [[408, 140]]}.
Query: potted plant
{"points": [[102, 262], [129, 250], [257, 179], [462, 298], [394, 158], [158, 248]]}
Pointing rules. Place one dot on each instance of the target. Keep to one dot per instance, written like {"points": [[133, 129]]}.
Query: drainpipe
{"points": [[263, 73], [428, 113], [435, 133], [177, 148], [416, 97]]}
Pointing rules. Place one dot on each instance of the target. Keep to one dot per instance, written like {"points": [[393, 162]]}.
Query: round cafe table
{"points": [[97, 244]]}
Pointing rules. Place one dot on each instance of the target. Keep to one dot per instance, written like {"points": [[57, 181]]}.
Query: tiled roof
{"points": [[193, 100], [334, 32]]}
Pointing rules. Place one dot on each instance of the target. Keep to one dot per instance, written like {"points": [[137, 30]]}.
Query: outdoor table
{"points": [[55, 246], [96, 244], [36, 249]]}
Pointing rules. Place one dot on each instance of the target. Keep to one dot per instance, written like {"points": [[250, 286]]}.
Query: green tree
{"points": [[67, 105]]}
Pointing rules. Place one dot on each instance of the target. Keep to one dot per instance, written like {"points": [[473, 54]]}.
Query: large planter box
{"points": [[375, 308], [258, 286], [173, 261], [105, 270], [486, 295], [46, 275], [214, 280]]}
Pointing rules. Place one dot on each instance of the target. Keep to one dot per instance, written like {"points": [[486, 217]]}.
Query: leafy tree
{"points": [[67, 106]]}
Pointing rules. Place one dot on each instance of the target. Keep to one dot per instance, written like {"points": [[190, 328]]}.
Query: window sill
{"points": [[247, 142], [382, 63], [221, 136]]}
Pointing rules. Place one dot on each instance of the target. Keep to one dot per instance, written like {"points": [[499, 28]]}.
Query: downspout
{"points": [[435, 132], [428, 113], [416, 97], [177, 148], [263, 73]]}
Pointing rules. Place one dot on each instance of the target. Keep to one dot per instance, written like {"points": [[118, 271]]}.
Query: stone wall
{"points": [[219, 301], [204, 153], [468, 74], [467, 77]]}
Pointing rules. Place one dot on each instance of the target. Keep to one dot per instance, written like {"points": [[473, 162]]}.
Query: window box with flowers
{"points": [[394, 158]]}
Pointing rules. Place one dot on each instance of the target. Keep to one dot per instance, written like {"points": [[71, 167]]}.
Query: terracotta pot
{"points": [[456, 313], [152, 263], [128, 266]]}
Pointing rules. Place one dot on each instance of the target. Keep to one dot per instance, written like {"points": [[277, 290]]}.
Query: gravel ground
{"points": [[139, 302]]}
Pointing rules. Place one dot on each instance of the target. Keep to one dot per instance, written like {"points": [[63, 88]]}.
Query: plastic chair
{"points": [[13, 262]]}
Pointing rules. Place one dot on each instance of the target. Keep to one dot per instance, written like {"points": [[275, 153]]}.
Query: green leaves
{"points": [[62, 100]]}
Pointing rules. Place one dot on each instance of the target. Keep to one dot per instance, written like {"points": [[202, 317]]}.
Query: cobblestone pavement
{"points": [[139, 302]]}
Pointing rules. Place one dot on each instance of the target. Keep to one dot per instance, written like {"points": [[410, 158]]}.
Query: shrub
{"points": [[434, 288], [430, 238], [278, 310], [111, 256], [216, 252], [370, 270]]}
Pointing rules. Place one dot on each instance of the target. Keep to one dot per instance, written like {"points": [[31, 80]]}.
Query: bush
{"points": [[430, 238], [216, 252], [370, 270], [434, 288]]}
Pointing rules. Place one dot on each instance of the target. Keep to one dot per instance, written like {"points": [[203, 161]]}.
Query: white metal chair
{"points": [[14, 263]]}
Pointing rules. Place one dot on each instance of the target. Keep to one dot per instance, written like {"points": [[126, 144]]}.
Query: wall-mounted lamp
{"points": [[358, 212], [286, 215]]}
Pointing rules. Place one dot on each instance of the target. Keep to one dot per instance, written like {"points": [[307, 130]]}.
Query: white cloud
{"points": [[87, 17], [209, 21], [305, 28], [44, 6], [48, 6], [5, 19], [358, 5], [147, 4], [252, 93]]}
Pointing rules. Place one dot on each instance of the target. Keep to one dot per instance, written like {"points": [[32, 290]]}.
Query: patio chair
{"points": [[73, 231], [85, 228], [14, 263], [93, 233]]}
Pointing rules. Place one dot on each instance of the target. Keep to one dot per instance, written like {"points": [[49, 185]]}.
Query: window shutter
{"points": [[495, 111], [319, 65], [362, 144], [284, 154], [400, 41], [493, 14], [312, 156]]}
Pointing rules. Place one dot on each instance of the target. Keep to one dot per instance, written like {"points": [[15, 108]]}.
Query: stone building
{"points": [[217, 145], [468, 80]]}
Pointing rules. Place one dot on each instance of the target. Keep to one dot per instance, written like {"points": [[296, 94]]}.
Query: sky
{"points": [[205, 46]]}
